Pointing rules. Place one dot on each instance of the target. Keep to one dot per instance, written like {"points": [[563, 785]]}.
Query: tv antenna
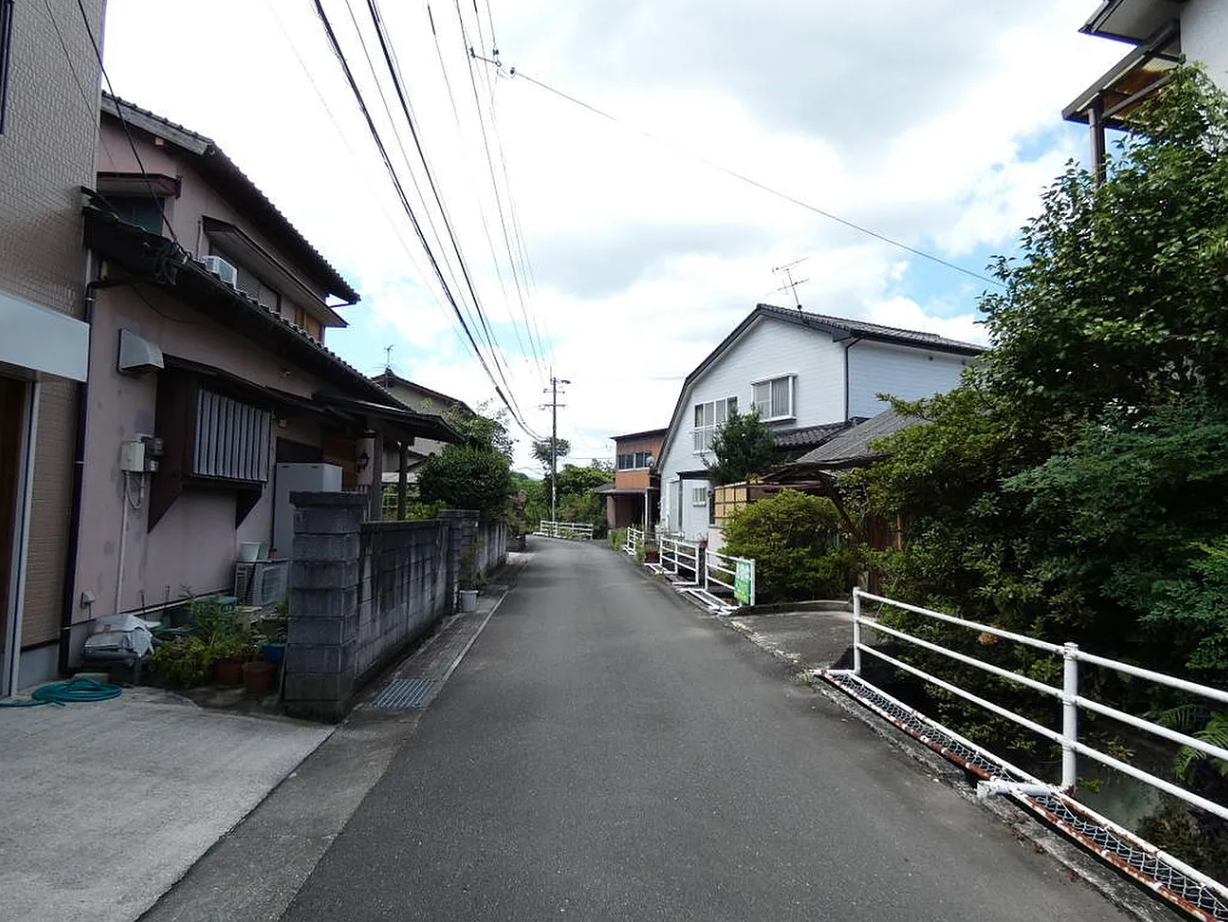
{"points": [[792, 283]]}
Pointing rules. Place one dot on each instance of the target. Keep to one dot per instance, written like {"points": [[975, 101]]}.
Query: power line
{"points": [[494, 181], [405, 204], [398, 85], [763, 187], [344, 136]]}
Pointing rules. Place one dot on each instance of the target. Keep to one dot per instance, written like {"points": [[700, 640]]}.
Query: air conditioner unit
{"points": [[223, 270], [261, 582]]}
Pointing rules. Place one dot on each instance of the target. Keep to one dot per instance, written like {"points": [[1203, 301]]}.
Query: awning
{"points": [[1110, 100], [251, 254], [410, 423]]}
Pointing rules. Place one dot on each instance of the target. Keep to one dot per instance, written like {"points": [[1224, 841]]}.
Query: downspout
{"points": [[851, 344], [69, 602], [78, 483]]}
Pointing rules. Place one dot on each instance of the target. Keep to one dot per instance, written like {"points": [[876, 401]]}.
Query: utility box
{"points": [[297, 478]]}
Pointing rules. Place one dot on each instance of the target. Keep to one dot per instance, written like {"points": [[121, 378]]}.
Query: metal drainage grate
{"points": [[1169, 882], [403, 694]]}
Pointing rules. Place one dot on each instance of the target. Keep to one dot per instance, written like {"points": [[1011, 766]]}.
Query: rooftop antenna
{"points": [[792, 283], [388, 358]]}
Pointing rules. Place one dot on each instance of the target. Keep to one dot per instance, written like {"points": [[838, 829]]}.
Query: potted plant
{"points": [[229, 651]]}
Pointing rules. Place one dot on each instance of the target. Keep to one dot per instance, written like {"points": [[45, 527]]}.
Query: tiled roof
{"points": [[809, 436], [853, 446], [872, 330]]}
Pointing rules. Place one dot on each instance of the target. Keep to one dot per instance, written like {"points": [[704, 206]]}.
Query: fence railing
{"points": [[582, 531], [736, 574], [633, 541], [683, 559], [1071, 700]]}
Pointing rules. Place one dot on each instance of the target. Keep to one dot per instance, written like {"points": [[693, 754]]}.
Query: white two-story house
{"points": [[806, 375]]}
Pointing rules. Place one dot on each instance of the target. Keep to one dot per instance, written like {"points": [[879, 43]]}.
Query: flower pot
{"points": [[468, 600], [229, 670], [258, 676]]}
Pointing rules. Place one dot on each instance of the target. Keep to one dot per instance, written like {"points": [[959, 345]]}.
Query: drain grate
{"points": [[403, 694]]}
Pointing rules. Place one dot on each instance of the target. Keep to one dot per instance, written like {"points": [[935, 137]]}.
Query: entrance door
{"points": [[12, 473]]}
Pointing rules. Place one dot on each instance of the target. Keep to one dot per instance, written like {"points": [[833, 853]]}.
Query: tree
{"points": [[744, 447], [542, 452], [475, 475]]}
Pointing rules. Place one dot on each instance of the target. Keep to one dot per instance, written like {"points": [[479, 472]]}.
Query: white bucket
{"points": [[468, 600], [249, 551]]}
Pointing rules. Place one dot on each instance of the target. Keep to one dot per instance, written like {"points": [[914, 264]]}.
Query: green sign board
{"points": [[744, 582]]}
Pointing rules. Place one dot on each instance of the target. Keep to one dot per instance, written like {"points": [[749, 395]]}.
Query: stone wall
{"points": [[361, 592]]}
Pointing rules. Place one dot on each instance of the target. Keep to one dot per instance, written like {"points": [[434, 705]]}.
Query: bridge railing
{"points": [[681, 558], [735, 574], [582, 531]]}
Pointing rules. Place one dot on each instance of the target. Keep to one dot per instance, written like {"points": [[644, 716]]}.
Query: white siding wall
{"points": [[878, 368], [767, 349], [1204, 37]]}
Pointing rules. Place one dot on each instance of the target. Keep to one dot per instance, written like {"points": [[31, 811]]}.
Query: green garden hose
{"points": [[63, 693]]}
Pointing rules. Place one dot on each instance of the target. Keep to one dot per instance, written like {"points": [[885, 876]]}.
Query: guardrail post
{"points": [[856, 630], [1070, 716]]}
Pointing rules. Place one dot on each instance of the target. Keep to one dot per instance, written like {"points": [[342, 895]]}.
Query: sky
{"points": [[616, 253]]}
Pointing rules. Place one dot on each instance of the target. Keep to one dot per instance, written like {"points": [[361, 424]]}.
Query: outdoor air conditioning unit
{"points": [[225, 272], [261, 582]]}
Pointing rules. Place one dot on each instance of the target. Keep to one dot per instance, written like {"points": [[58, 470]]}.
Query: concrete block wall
{"points": [[403, 587], [361, 592]]}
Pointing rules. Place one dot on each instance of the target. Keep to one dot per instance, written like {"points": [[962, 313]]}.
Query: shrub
{"points": [[795, 542], [181, 662]]}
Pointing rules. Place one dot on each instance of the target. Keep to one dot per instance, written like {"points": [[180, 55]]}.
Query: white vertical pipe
{"points": [[1070, 716]]}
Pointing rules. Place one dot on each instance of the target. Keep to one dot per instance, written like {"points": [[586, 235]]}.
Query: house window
{"points": [[699, 496], [6, 44], [262, 294], [774, 398], [145, 211], [707, 417], [232, 439], [634, 461]]}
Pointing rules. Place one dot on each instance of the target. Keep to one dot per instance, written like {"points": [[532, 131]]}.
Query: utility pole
{"points": [[554, 406]]}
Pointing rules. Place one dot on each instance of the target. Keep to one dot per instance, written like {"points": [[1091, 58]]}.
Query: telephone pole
{"points": [[554, 406]]}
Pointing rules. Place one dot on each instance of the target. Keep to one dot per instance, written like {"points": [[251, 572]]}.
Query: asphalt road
{"points": [[606, 752]]}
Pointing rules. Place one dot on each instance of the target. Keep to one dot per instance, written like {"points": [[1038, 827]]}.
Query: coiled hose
{"points": [[64, 693]]}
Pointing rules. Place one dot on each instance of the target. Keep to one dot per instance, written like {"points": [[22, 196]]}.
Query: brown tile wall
{"points": [[46, 155]]}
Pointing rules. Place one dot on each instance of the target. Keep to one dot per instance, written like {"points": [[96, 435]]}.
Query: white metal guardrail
{"points": [[633, 541], [736, 574], [1072, 702], [582, 531], [681, 559]]}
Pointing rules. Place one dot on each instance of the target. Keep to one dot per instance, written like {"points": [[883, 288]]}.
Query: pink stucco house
{"points": [[208, 374]]}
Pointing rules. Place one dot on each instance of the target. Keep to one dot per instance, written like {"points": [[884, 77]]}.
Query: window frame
{"points": [[701, 435], [699, 495], [791, 379]]}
